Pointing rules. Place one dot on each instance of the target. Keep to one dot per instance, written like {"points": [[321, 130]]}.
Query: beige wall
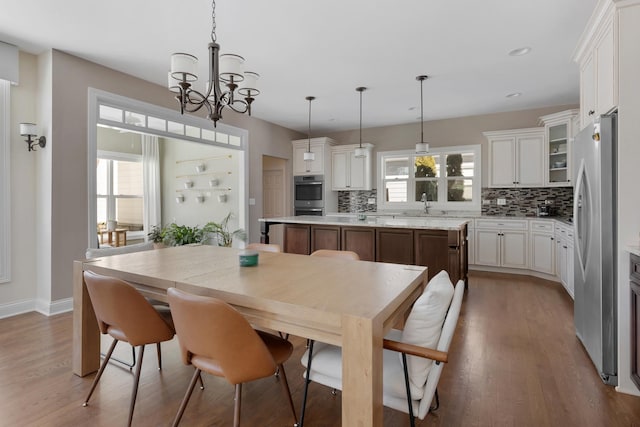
{"points": [[448, 132]]}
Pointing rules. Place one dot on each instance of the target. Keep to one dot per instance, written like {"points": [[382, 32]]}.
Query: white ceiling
{"points": [[327, 48]]}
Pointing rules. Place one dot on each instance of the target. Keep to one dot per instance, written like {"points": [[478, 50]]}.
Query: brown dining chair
{"points": [[125, 315], [215, 338], [264, 247], [331, 253]]}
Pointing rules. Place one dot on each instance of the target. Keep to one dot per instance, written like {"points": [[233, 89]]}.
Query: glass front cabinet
{"points": [[559, 132]]}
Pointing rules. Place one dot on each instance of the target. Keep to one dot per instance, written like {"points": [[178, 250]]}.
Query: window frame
{"points": [[442, 180]]}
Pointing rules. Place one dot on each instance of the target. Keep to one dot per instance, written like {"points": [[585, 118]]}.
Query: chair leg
{"points": [[136, 381], [306, 383], [201, 382], [287, 392], [99, 374], [187, 396], [412, 419], [437, 405], [236, 409], [159, 351]]}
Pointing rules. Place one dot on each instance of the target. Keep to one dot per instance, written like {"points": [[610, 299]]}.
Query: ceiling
{"points": [[328, 48]]}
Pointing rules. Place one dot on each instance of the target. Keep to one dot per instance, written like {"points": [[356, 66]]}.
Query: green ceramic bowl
{"points": [[248, 258]]}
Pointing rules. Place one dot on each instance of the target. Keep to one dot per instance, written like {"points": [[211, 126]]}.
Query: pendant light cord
{"points": [[421, 113], [309, 98], [361, 118]]}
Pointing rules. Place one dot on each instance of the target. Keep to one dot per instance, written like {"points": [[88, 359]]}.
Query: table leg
{"points": [[361, 372], [264, 231], [86, 335]]}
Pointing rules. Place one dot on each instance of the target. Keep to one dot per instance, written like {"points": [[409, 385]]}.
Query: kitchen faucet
{"points": [[426, 202]]}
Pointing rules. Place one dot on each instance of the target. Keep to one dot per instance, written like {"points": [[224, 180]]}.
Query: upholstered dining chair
{"points": [[215, 338], [264, 247], [125, 315], [331, 253], [413, 358]]}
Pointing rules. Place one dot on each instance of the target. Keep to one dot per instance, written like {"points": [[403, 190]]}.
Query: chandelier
{"points": [[224, 70], [422, 147]]}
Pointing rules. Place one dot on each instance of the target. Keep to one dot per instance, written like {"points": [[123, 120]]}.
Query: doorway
{"points": [[275, 200]]}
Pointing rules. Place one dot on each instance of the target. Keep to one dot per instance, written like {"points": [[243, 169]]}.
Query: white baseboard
{"points": [[15, 308], [41, 306]]}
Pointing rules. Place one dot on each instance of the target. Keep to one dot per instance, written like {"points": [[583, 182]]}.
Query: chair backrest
{"points": [[95, 253], [120, 306], [446, 336], [210, 328], [330, 253], [264, 247]]}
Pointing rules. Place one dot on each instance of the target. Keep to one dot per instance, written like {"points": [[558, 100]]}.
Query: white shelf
{"points": [[558, 140]]}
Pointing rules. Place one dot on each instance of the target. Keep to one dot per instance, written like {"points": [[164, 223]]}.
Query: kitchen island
{"points": [[438, 243]]}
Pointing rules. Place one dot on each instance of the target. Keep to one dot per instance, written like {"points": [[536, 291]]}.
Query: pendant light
{"points": [[422, 147], [308, 155], [360, 152]]}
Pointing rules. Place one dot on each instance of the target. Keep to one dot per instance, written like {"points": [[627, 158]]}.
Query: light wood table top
{"points": [[347, 303]]}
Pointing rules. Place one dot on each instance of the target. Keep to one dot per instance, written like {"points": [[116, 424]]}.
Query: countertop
{"points": [[451, 215], [429, 223]]}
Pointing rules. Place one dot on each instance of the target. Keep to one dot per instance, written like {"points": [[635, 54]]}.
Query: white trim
{"points": [[15, 308], [5, 178], [52, 308], [98, 97]]}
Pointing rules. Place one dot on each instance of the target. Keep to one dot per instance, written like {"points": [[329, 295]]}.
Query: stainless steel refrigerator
{"points": [[595, 258]]}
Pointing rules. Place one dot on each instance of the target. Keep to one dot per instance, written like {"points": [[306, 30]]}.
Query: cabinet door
{"points": [[361, 241], [542, 252], [357, 172], [394, 245], [339, 170], [325, 237], [570, 269], [313, 167], [296, 239], [587, 92], [432, 251], [514, 249], [562, 259], [502, 168], [530, 161], [487, 247], [605, 74]]}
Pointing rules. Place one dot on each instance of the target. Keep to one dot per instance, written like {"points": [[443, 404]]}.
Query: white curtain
{"points": [[151, 178]]}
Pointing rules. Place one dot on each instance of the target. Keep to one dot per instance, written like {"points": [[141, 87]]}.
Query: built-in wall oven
{"points": [[308, 195]]}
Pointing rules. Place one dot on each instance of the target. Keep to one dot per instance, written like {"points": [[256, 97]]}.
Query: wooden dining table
{"points": [[352, 304]]}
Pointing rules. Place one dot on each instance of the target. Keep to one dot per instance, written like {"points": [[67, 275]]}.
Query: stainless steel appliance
{"points": [[308, 195], [595, 258]]}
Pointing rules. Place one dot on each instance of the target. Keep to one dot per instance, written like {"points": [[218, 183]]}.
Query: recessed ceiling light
{"points": [[520, 51], [412, 108], [514, 95]]}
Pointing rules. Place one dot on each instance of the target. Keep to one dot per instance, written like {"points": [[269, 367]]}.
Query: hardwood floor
{"points": [[514, 361]]}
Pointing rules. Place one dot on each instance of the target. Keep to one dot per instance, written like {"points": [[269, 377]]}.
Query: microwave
{"points": [[308, 191]]}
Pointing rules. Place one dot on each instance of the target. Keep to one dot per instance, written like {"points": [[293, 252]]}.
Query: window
{"points": [[119, 191], [447, 179]]}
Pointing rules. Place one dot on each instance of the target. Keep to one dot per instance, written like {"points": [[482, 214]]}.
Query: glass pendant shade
{"points": [[184, 67], [309, 156], [360, 152]]}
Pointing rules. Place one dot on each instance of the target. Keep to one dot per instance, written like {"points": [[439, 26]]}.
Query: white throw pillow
{"points": [[424, 325], [95, 253]]}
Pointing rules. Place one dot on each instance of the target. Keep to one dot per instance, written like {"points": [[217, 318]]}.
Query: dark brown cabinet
{"points": [[635, 319], [394, 245], [361, 240], [297, 239], [432, 250], [325, 237]]}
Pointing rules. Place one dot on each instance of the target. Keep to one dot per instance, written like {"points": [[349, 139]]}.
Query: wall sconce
{"points": [[29, 130]]}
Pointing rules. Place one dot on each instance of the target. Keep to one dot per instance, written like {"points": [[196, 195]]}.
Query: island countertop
{"points": [[384, 222]]}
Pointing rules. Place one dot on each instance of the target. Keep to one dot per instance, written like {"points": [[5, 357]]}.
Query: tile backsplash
{"points": [[524, 201], [518, 201]]}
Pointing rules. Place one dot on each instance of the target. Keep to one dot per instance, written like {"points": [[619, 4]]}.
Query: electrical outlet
{"points": [[502, 202], [252, 202], [371, 201]]}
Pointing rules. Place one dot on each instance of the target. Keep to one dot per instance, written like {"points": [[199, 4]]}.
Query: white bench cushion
{"points": [[94, 253]]}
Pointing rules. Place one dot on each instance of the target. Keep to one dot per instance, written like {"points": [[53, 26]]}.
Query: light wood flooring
{"points": [[514, 361]]}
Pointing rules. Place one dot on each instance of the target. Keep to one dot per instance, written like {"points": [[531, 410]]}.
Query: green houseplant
{"points": [[221, 231], [157, 234], [178, 235]]}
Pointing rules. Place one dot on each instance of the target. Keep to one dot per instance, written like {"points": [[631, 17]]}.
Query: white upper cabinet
{"points": [[559, 133], [598, 63], [349, 172], [516, 158], [320, 148]]}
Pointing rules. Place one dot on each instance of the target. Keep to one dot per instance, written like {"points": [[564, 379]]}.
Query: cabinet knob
{"points": [[591, 112], [552, 238]]}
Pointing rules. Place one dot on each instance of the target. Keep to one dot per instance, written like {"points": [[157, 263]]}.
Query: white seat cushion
{"points": [[94, 253], [424, 325]]}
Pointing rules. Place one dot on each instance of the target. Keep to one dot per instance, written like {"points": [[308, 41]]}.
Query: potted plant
{"points": [[157, 236], [221, 232], [178, 235]]}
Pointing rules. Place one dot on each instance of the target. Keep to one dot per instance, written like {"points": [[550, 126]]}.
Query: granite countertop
{"points": [[449, 215], [432, 223]]}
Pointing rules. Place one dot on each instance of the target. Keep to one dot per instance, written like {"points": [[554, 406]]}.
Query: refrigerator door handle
{"points": [[582, 217]]}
